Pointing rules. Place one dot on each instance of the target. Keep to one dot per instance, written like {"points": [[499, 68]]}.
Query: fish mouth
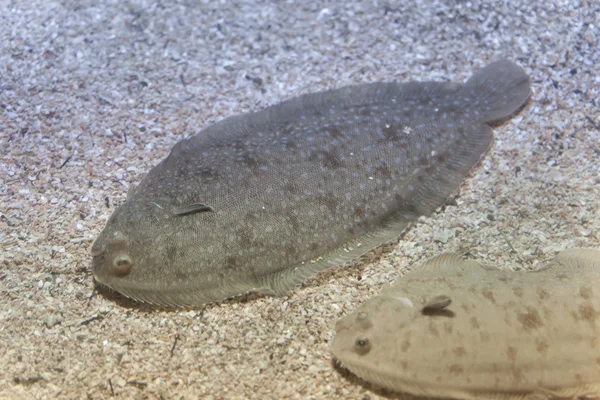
{"points": [[97, 248]]}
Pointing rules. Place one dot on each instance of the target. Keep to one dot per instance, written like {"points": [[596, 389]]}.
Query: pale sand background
{"points": [[92, 96]]}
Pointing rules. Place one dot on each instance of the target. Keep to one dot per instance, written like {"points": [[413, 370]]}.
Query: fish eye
{"points": [[362, 345], [122, 265]]}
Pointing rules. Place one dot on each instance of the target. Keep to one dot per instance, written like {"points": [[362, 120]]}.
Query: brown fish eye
{"points": [[362, 346], [122, 265]]}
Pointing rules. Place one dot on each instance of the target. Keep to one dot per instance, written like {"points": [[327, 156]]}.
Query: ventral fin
{"points": [[192, 209]]}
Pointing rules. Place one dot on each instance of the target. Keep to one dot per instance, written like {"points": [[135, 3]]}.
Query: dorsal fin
{"points": [[131, 190], [575, 259], [444, 263]]}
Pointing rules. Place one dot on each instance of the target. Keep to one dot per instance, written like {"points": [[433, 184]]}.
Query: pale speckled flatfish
{"points": [[454, 329], [299, 187]]}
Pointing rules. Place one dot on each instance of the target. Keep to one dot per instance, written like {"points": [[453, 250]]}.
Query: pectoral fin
{"points": [[192, 209]]}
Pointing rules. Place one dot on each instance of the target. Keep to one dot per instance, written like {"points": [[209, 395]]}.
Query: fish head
{"points": [[157, 253], [382, 340], [113, 259], [362, 338], [129, 255]]}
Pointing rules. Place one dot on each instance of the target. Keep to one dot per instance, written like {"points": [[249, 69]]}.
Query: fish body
{"points": [[265, 200], [454, 329]]}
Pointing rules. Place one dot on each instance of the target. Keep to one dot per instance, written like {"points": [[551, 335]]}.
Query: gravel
{"points": [[93, 95]]}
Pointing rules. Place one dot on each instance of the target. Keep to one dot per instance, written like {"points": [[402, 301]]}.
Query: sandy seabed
{"points": [[93, 95]]}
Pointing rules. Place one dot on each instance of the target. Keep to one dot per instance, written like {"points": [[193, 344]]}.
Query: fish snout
{"points": [[111, 259]]}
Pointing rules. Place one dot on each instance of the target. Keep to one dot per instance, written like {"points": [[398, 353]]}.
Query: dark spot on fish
{"points": [[456, 369], [488, 294], [364, 111], [290, 189], [517, 373], [251, 219], [459, 351], [587, 312], [433, 329], [330, 160], [207, 173], [425, 101], [290, 145], [530, 319], [237, 144], [585, 292], [327, 158], [181, 275], [405, 205], [448, 328], [334, 132], [252, 161], [293, 221], [474, 322], [171, 253], [542, 346], [423, 161], [358, 212], [405, 345], [518, 291], [329, 200], [392, 132], [383, 171], [511, 352], [543, 294], [231, 262], [245, 236], [291, 251]]}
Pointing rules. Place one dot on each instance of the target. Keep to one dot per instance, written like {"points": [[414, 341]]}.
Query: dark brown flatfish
{"points": [[265, 200]]}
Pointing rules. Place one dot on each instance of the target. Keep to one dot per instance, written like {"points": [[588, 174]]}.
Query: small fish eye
{"points": [[362, 346], [122, 265]]}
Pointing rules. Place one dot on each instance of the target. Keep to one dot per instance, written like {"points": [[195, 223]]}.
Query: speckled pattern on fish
{"points": [[452, 328], [265, 200]]}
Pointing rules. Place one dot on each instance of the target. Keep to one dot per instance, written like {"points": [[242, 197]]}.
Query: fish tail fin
{"points": [[498, 90]]}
